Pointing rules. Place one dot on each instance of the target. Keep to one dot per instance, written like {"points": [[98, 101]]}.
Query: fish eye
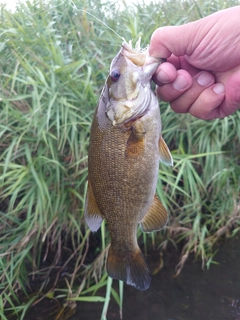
{"points": [[115, 75]]}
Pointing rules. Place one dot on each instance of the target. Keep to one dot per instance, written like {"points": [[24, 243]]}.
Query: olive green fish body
{"points": [[123, 171]]}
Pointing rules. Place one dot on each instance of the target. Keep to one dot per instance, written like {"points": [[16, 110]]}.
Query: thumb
{"points": [[177, 40]]}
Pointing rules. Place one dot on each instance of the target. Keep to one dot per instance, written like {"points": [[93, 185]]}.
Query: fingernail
{"points": [[219, 88], [205, 79], [180, 83], [163, 77]]}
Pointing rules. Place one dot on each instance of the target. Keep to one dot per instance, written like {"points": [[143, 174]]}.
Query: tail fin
{"points": [[132, 269]]}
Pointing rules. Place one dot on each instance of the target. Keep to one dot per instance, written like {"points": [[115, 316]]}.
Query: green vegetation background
{"points": [[54, 59]]}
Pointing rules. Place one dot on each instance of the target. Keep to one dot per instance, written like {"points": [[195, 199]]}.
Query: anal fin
{"points": [[92, 213], [155, 218], [164, 153]]}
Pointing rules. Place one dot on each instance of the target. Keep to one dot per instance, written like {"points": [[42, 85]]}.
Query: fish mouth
{"points": [[139, 56]]}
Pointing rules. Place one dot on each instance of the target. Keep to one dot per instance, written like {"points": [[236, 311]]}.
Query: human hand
{"points": [[202, 72]]}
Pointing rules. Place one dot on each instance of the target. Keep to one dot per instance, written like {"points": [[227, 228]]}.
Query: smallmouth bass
{"points": [[124, 153]]}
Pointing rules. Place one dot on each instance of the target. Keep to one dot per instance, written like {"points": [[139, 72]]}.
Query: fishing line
{"points": [[82, 10]]}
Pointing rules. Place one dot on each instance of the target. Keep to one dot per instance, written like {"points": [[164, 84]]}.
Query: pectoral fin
{"points": [[164, 153], [135, 143], [92, 213], [155, 218]]}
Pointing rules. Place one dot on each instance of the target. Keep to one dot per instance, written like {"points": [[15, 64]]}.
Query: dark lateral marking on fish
{"points": [[131, 268], [155, 218], [92, 213], [103, 99]]}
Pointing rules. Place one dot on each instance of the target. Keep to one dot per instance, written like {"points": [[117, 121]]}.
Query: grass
{"points": [[54, 61]]}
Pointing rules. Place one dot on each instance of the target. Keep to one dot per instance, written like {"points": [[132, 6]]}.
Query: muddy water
{"points": [[194, 295]]}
